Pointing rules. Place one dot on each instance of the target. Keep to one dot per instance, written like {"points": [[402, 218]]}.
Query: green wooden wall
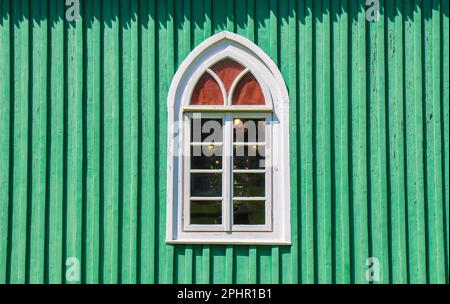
{"points": [[83, 140]]}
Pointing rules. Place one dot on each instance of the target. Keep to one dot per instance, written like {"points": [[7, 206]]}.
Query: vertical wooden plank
{"points": [[264, 265], [198, 21], [396, 148], [219, 15], [342, 274], [92, 130], [253, 265], [5, 120], [323, 142], [229, 264], [304, 124], [240, 18], [129, 139], [172, 48], [445, 29], [206, 265], [231, 24], [198, 265], [74, 139], [241, 266], [21, 78], [287, 40], [110, 189], [165, 59], [251, 17], [434, 149], [182, 11], [414, 142], [161, 45], [38, 140], [262, 27], [208, 19], [378, 236], [188, 265], [56, 149], [148, 132], [260, 11], [292, 45], [359, 187], [273, 52]]}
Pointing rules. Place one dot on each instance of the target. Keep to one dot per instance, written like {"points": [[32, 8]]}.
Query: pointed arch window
{"points": [[222, 174]]}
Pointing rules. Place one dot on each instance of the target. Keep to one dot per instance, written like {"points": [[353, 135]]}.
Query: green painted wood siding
{"points": [[83, 140]]}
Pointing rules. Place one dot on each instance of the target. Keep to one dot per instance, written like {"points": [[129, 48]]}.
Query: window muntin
{"points": [[227, 70]]}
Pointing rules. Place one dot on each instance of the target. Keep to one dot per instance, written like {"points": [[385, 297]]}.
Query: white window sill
{"points": [[229, 242]]}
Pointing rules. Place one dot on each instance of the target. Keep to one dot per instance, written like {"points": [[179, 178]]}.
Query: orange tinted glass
{"points": [[248, 92], [207, 92], [227, 70]]}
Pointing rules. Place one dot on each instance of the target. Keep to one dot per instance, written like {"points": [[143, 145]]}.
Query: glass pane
{"points": [[249, 184], [248, 92], [206, 130], [249, 213], [206, 184], [248, 157], [207, 92], [206, 157], [206, 212], [249, 130]]}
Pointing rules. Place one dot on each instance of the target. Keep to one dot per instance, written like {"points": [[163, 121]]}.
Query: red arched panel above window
{"points": [[207, 92], [248, 92], [227, 70]]}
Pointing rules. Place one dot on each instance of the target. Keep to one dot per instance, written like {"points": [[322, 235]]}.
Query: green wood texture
{"points": [[83, 122]]}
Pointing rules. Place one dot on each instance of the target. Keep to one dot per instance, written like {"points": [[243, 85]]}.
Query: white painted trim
{"points": [[216, 109], [234, 85], [213, 49], [219, 82]]}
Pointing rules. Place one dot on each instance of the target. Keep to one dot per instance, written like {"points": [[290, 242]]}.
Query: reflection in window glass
{"points": [[206, 157], [249, 184], [248, 157], [206, 184], [248, 212], [206, 212]]}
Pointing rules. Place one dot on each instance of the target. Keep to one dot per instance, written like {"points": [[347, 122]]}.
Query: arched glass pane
{"points": [[248, 92], [227, 70], [207, 92]]}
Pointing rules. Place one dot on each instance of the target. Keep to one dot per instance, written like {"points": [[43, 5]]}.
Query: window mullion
{"points": [[227, 185]]}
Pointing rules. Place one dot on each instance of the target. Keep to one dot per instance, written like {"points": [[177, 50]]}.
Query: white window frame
{"points": [[276, 111]]}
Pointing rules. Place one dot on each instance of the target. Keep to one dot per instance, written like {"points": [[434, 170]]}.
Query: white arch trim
{"points": [[244, 51]]}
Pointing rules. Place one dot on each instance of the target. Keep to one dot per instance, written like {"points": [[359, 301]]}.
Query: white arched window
{"points": [[228, 147]]}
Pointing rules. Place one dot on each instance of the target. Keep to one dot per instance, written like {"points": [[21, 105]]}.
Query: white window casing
{"points": [[277, 230]]}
